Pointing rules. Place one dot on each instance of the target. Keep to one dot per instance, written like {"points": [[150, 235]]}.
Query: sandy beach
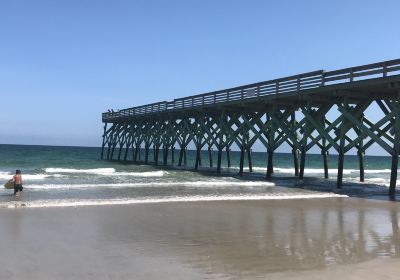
{"points": [[345, 238]]}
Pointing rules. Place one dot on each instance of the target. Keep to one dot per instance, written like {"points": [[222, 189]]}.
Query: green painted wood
{"points": [[396, 148]]}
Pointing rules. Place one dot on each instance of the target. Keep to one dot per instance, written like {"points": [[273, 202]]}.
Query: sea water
{"points": [[75, 176]]}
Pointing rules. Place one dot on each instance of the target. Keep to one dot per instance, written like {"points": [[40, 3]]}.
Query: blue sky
{"points": [[62, 63]]}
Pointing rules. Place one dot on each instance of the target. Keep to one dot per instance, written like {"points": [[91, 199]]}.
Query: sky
{"points": [[63, 63]]}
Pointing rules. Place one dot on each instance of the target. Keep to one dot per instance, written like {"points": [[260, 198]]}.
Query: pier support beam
{"points": [[393, 174], [126, 152], [241, 160], [156, 150], [360, 153], [249, 158], [136, 153], [295, 154], [165, 155], [181, 152], [185, 156], [219, 159], [361, 163], [295, 151], [271, 138], [197, 162], [324, 151], [270, 163], [210, 156], [146, 153], [325, 160], [173, 155], [302, 162], [228, 156], [104, 140], [340, 167], [396, 148]]}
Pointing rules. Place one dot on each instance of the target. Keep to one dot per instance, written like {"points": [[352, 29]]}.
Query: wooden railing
{"points": [[290, 84]]}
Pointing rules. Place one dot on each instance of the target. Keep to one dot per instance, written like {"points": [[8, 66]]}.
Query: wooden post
{"points": [[104, 140], [126, 152], [270, 163], [200, 158], [219, 159], [306, 132], [228, 156], [271, 136], [210, 156], [324, 152], [325, 159], [393, 173], [197, 162], [295, 161], [185, 156], [146, 153], [108, 151], [241, 160], [360, 154], [157, 150], [249, 157], [112, 150], [361, 162], [396, 149], [173, 155], [340, 165], [341, 155], [181, 155], [302, 162], [119, 152], [165, 154], [135, 154]]}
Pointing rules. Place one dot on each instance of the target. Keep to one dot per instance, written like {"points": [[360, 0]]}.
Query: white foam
{"points": [[100, 202], [8, 176], [156, 184], [141, 174], [100, 171], [318, 170], [106, 172]]}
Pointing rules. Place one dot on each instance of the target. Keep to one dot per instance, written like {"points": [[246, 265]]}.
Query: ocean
{"points": [[74, 176]]}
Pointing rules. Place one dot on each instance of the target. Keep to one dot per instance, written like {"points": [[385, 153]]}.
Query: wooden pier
{"points": [[296, 110]]}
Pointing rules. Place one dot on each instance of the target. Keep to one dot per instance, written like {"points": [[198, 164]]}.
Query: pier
{"points": [[323, 109]]}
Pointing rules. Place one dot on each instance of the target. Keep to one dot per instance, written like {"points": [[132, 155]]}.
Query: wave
{"points": [[156, 184], [317, 170], [7, 176], [72, 170], [106, 171], [102, 202]]}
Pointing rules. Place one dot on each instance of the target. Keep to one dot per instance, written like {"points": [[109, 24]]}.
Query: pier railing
{"points": [[291, 84]]}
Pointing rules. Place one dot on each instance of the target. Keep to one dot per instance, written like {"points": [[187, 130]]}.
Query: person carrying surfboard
{"points": [[17, 182]]}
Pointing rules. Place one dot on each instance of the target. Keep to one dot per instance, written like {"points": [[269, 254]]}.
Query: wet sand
{"points": [[331, 238]]}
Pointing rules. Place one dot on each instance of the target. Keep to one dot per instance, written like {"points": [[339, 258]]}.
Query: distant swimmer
{"points": [[17, 182]]}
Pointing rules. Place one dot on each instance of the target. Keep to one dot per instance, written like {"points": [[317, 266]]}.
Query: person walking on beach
{"points": [[17, 182]]}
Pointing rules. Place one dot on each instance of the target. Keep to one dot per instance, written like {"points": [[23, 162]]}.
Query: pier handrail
{"points": [[290, 84]]}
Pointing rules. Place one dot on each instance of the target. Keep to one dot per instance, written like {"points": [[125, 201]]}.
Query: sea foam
{"points": [[100, 202], [156, 184], [106, 172]]}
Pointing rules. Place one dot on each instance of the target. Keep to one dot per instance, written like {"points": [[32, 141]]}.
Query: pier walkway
{"points": [[324, 109]]}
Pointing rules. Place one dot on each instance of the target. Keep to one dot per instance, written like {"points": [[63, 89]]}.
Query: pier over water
{"points": [[328, 110]]}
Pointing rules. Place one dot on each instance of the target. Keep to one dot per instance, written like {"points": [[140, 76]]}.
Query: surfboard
{"points": [[9, 184]]}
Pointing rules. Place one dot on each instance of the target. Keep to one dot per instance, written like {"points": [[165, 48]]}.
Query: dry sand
{"points": [[346, 238]]}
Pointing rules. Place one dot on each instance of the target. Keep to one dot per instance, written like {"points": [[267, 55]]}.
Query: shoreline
{"points": [[310, 239]]}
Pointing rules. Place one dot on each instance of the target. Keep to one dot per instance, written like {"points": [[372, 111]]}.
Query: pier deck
{"points": [[295, 110]]}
